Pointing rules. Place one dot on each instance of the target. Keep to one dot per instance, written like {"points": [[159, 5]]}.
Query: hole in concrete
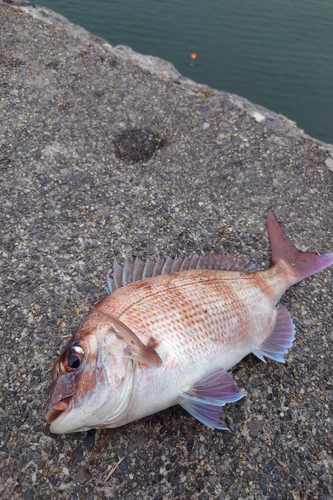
{"points": [[138, 144]]}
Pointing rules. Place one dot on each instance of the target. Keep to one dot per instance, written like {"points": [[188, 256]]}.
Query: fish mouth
{"points": [[59, 410]]}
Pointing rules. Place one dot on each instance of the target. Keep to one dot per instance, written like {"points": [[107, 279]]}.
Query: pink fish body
{"points": [[169, 331]]}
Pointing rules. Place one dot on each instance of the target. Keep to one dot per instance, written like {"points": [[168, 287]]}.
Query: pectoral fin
{"points": [[139, 350], [206, 396]]}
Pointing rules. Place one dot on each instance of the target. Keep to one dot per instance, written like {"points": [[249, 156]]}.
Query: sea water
{"points": [[277, 53]]}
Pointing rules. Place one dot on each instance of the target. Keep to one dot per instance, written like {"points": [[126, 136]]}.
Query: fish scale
{"points": [[168, 332], [224, 302]]}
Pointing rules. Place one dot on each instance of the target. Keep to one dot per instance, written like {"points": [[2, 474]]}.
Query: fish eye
{"points": [[72, 358], [74, 361]]}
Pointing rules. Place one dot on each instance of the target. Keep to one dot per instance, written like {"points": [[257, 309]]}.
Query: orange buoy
{"points": [[193, 56]]}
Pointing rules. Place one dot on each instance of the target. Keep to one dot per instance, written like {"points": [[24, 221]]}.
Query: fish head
{"points": [[92, 380]]}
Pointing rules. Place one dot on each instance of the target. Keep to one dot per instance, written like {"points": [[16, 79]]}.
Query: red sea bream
{"points": [[168, 332]]}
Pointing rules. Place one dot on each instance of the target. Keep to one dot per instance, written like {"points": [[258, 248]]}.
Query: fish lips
{"points": [[59, 410], [62, 398]]}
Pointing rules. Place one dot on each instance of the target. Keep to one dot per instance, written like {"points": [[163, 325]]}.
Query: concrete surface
{"points": [[105, 152]]}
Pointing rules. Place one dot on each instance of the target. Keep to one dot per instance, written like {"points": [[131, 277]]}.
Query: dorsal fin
{"points": [[138, 270]]}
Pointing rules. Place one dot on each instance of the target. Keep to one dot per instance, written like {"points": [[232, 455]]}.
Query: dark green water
{"points": [[277, 53]]}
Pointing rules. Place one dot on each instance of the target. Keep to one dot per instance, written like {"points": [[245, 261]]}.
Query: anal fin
{"points": [[281, 338], [206, 396]]}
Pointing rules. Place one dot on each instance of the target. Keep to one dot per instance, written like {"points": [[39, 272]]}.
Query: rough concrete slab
{"points": [[105, 152]]}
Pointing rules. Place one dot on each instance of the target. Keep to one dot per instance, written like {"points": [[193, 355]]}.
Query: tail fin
{"points": [[301, 264]]}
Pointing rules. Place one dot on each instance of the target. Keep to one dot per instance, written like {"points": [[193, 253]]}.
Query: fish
{"points": [[168, 332]]}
